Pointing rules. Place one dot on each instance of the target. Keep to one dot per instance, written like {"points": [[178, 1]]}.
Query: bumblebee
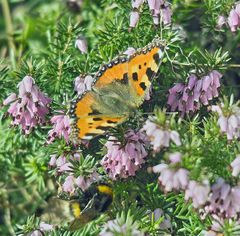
{"points": [[79, 210]]}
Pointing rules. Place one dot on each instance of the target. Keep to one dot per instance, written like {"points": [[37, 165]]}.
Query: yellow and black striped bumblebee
{"points": [[79, 210]]}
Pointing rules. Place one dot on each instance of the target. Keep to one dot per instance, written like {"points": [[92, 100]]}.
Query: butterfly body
{"points": [[116, 99], [120, 88]]}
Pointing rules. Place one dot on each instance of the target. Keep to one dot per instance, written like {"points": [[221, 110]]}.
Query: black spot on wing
{"points": [[143, 86], [111, 122], [94, 112], [125, 79], [97, 119], [156, 58], [104, 128], [150, 73], [135, 76]]}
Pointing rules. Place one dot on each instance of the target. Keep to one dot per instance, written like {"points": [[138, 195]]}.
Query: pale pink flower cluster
{"points": [[197, 192], [30, 107], [209, 233], [121, 226], [160, 137], [216, 227], [43, 228], [113, 228], [35, 233], [221, 20], [219, 224], [81, 44], [160, 10], [61, 127], [82, 182], [63, 165], [123, 161], [236, 166], [229, 122], [83, 83], [130, 51], [172, 178], [224, 200], [233, 20], [221, 201], [166, 223], [188, 97]]}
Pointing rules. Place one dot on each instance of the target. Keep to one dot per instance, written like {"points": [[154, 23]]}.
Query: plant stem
{"points": [[191, 64], [181, 63], [7, 214], [9, 31], [60, 62], [234, 65]]}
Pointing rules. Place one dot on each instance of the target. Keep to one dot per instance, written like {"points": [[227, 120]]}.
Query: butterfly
{"points": [[119, 88]]}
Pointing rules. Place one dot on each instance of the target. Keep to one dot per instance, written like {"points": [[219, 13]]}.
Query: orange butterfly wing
{"points": [[89, 121], [137, 72], [143, 67], [116, 70]]}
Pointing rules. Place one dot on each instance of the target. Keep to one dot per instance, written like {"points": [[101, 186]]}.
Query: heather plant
{"points": [[174, 165]]}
